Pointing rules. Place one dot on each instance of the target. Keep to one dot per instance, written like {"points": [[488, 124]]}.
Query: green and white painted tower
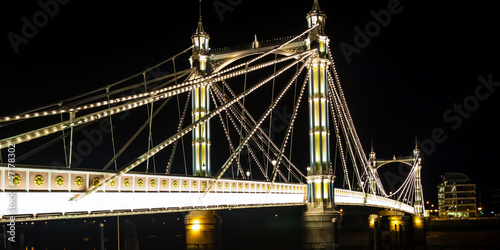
{"points": [[202, 227], [200, 103], [320, 220], [320, 181]]}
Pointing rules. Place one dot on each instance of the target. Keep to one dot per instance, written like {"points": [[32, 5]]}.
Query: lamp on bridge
{"points": [[203, 170]]}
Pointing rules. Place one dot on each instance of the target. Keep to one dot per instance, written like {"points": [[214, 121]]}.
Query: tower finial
{"points": [[199, 10], [199, 28], [315, 7], [371, 145], [416, 143], [255, 43], [314, 16]]}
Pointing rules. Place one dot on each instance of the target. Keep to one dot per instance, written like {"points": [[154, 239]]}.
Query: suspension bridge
{"points": [[237, 159]]}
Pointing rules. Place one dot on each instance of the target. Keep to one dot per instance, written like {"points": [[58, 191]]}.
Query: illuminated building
{"points": [[456, 196]]}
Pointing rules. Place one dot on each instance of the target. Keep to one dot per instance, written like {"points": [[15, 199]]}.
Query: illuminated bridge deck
{"points": [[44, 193]]}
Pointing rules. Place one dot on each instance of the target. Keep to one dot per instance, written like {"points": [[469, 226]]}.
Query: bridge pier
{"points": [[203, 230], [399, 229], [320, 229], [419, 231], [375, 232]]}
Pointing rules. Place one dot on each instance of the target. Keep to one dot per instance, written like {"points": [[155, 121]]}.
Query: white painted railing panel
{"points": [[44, 190], [52, 202]]}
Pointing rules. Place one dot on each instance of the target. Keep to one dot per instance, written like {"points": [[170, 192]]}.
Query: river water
{"points": [[259, 228]]}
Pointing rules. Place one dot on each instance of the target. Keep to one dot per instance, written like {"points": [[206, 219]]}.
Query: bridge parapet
{"points": [[25, 179], [47, 190], [348, 197]]}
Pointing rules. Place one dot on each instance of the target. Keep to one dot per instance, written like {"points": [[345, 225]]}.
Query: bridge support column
{"points": [[419, 232], [399, 228], [375, 233], [320, 229], [203, 230]]}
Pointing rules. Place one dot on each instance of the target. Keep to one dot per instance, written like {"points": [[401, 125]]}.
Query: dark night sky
{"points": [[423, 62]]}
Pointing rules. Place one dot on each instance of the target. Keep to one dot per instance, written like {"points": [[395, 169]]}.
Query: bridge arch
{"points": [[238, 55], [395, 161]]}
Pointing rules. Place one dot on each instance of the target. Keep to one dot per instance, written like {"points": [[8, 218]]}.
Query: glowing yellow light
{"points": [[196, 225]]}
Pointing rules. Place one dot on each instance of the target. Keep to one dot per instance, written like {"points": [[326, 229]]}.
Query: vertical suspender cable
{"points": [[272, 100], [72, 120], [179, 128], [150, 114], [243, 118], [181, 120], [112, 129], [149, 137], [64, 142]]}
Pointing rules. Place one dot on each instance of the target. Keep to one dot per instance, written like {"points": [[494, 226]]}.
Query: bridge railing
{"points": [[348, 197], [48, 190], [24, 179], [35, 192]]}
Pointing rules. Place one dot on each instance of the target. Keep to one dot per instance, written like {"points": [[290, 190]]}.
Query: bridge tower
{"points": [[200, 103], [419, 232], [373, 169], [321, 219], [418, 204], [202, 227]]}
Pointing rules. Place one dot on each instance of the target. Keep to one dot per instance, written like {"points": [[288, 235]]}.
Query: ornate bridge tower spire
{"points": [[418, 203], [320, 181], [320, 221], [200, 102], [202, 227], [373, 169]]}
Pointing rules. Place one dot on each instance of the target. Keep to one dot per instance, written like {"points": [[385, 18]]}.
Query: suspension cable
{"points": [[255, 128], [226, 132], [260, 133], [290, 125], [186, 130], [112, 131]]}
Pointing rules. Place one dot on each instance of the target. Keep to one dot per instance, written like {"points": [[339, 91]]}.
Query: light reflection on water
{"points": [[241, 229]]}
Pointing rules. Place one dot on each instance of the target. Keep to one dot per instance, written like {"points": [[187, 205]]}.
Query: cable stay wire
{"points": [[179, 128], [263, 117], [256, 138], [220, 97], [262, 135], [189, 128], [22, 115], [338, 139], [292, 120], [226, 132], [136, 134], [146, 98], [344, 127]]}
